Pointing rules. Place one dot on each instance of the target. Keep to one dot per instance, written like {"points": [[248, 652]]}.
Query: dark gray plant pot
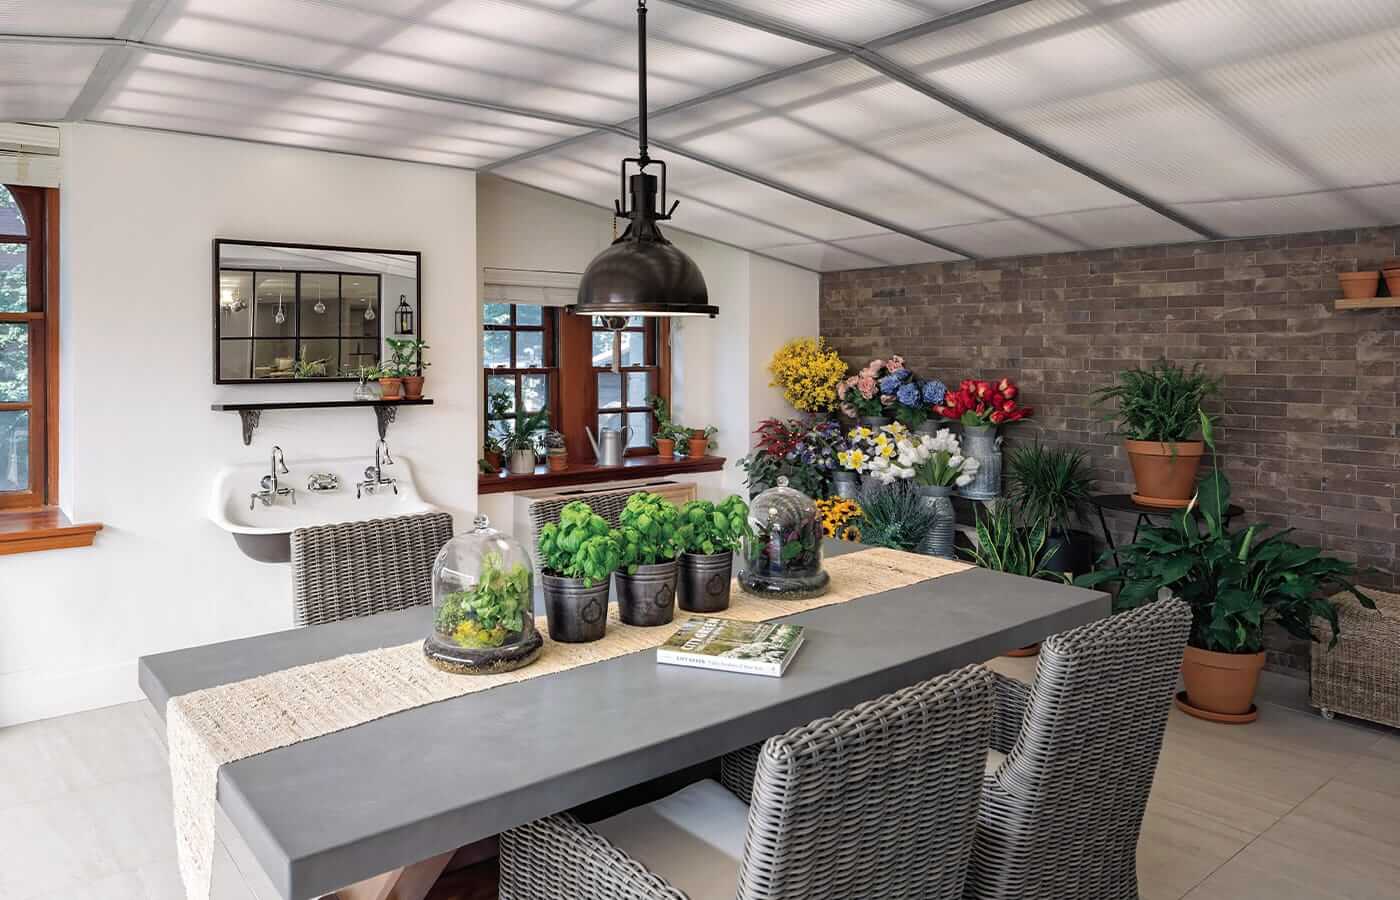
{"points": [[875, 422], [648, 597], [704, 581], [577, 613]]}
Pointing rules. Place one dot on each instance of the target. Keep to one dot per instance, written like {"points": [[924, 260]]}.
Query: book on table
{"points": [[755, 648]]}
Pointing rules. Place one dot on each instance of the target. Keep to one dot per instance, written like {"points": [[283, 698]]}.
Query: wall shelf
{"points": [[1369, 303], [385, 411]]}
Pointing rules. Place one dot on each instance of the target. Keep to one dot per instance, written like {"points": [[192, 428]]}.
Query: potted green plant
{"points": [[1006, 542], [578, 555], [1235, 582], [519, 443], [390, 384], [647, 538], [1158, 414], [556, 451], [709, 534], [1051, 486], [893, 514], [701, 439], [668, 432], [308, 368], [498, 404], [408, 360]]}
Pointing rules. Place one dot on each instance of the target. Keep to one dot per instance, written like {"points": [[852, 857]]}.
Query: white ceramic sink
{"points": [[264, 532]]}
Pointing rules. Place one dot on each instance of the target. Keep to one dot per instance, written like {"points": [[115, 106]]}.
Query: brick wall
{"points": [[1310, 422]]}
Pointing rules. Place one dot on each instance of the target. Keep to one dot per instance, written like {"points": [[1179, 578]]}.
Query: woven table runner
{"points": [[229, 722]]}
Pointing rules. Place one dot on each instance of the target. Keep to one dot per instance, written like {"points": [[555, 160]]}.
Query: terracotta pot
{"points": [[494, 459], [1028, 650], [1360, 285], [413, 387], [1222, 684], [389, 388], [698, 446], [558, 462], [1165, 472], [665, 448], [1392, 282]]}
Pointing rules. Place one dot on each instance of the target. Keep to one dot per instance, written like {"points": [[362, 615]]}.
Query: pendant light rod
{"points": [[642, 81]]}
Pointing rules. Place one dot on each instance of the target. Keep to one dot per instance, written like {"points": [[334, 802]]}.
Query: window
{"points": [[622, 398], [28, 348], [518, 357]]}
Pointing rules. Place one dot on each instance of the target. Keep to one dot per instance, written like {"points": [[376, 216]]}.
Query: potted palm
{"points": [[519, 443], [667, 431], [709, 534], [1236, 582], [1051, 486], [646, 579], [578, 555], [1158, 414], [1007, 542]]}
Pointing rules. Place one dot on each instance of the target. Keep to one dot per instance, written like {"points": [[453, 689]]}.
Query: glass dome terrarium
{"points": [[483, 605], [783, 556]]}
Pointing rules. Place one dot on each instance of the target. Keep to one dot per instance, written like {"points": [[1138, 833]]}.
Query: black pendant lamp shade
{"points": [[642, 273]]}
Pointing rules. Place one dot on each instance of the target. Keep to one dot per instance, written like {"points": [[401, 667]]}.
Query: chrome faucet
{"points": [[374, 475], [271, 488]]}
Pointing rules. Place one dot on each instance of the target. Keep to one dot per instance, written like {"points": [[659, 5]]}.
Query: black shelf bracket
{"points": [[251, 419], [250, 414], [384, 415]]}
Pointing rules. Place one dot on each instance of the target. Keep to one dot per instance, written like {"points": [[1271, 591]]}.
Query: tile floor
{"points": [[1290, 807]]}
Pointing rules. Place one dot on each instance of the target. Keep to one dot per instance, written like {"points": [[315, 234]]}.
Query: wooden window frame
{"points": [[548, 327], [39, 208]]}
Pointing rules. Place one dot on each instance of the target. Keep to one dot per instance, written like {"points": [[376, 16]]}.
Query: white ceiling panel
{"points": [[1304, 212], [898, 249], [39, 82], [825, 257], [92, 18], [854, 21]]}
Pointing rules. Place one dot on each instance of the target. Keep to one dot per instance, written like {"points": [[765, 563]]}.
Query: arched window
{"points": [[26, 350]]}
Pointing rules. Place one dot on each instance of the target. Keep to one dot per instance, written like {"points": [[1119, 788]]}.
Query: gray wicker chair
{"points": [[878, 801], [1061, 813], [360, 568]]}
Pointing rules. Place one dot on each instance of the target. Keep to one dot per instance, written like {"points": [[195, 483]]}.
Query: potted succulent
{"points": [[578, 555], [709, 534], [647, 539], [1159, 411], [1235, 582], [519, 443], [408, 360], [1006, 542], [1051, 485], [667, 431], [982, 407], [701, 439], [556, 451]]}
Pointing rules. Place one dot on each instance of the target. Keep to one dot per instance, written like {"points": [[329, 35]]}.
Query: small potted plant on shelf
{"points": [[390, 384], [498, 404], [1051, 485], [982, 407], [668, 432], [578, 555], [308, 368], [709, 534], [556, 451], [519, 443], [1158, 414], [649, 543], [869, 395], [1006, 542], [1235, 582], [408, 360], [701, 440]]}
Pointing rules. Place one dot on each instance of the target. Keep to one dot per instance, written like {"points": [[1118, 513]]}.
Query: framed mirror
{"points": [[307, 312]]}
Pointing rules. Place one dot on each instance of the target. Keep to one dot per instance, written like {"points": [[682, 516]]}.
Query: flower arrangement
{"points": [[934, 460], [915, 399], [871, 449], [808, 371], [804, 454], [840, 518], [872, 390], [981, 403]]}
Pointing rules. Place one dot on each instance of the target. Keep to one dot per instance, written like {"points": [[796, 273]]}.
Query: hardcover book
{"points": [[755, 648]]}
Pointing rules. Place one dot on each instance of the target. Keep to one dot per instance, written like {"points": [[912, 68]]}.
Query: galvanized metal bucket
{"points": [[846, 484], [983, 444], [577, 613], [938, 541], [704, 581], [647, 597]]}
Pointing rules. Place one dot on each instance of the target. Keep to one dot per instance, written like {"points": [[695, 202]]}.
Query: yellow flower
{"points": [[808, 372]]}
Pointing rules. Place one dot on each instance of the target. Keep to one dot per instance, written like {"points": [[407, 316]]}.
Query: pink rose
{"points": [[896, 362], [866, 384]]}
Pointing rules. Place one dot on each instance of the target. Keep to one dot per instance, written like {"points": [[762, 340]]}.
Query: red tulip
{"points": [[998, 418]]}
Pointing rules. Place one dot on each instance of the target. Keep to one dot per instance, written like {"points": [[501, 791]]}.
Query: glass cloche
{"points": [[783, 557], [483, 605]]}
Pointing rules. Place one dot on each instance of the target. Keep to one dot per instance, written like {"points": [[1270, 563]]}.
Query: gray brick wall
{"points": [[1310, 422]]}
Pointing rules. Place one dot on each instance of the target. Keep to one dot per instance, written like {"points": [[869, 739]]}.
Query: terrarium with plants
{"points": [[483, 604], [783, 552]]}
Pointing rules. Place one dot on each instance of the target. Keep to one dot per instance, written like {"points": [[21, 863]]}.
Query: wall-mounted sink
{"points": [[264, 532]]}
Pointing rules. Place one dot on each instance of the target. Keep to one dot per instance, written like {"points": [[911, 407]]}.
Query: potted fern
{"points": [[1051, 486], [578, 555], [709, 534]]}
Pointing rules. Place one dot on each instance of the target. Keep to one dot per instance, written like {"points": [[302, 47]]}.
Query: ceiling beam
{"points": [[721, 9], [135, 25]]}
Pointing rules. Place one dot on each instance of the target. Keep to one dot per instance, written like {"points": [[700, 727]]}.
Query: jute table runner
{"points": [[208, 728]]}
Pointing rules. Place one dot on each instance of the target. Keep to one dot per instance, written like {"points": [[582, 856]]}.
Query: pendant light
{"points": [[280, 318], [642, 273], [320, 307]]}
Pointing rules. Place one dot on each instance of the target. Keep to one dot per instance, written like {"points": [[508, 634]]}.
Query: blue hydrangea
{"points": [[934, 392], [908, 394], [889, 384]]}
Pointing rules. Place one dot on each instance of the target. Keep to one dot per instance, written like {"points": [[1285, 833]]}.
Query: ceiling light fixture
{"points": [[642, 273]]}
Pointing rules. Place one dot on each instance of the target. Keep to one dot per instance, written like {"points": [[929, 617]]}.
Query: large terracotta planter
{"points": [[1165, 472], [1220, 686], [1392, 281], [665, 448], [1360, 285]]}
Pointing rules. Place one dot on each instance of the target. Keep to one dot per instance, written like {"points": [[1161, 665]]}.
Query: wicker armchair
{"points": [[1060, 815], [876, 801], [360, 568]]}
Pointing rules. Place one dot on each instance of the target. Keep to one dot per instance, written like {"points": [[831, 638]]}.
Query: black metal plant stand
{"points": [[1124, 503]]}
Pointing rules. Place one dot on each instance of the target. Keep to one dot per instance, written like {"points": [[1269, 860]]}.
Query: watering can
{"points": [[610, 444]]}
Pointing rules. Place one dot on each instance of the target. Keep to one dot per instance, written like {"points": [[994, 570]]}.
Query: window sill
{"points": [[634, 467], [32, 530]]}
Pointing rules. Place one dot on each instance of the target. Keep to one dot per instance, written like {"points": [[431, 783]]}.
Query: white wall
{"points": [[140, 445]]}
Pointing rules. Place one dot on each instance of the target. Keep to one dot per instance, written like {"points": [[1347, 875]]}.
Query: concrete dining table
{"points": [[345, 807]]}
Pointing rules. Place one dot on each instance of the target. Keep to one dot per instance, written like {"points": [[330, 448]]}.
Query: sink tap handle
{"points": [[279, 458], [387, 459]]}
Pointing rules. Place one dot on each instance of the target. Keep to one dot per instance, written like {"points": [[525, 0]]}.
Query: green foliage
{"points": [[1159, 404], [763, 469], [666, 427], [579, 545], [406, 357], [527, 428], [647, 531], [308, 368], [1049, 484], [489, 611], [1235, 582], [709, 528], [14, 363], [1006, 544], [498, 406], [708, 433], [893, 515]]}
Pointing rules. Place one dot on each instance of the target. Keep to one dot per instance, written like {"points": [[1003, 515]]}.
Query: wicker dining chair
{"points": [[877, 801], [1061, 812], [360, 568]]}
